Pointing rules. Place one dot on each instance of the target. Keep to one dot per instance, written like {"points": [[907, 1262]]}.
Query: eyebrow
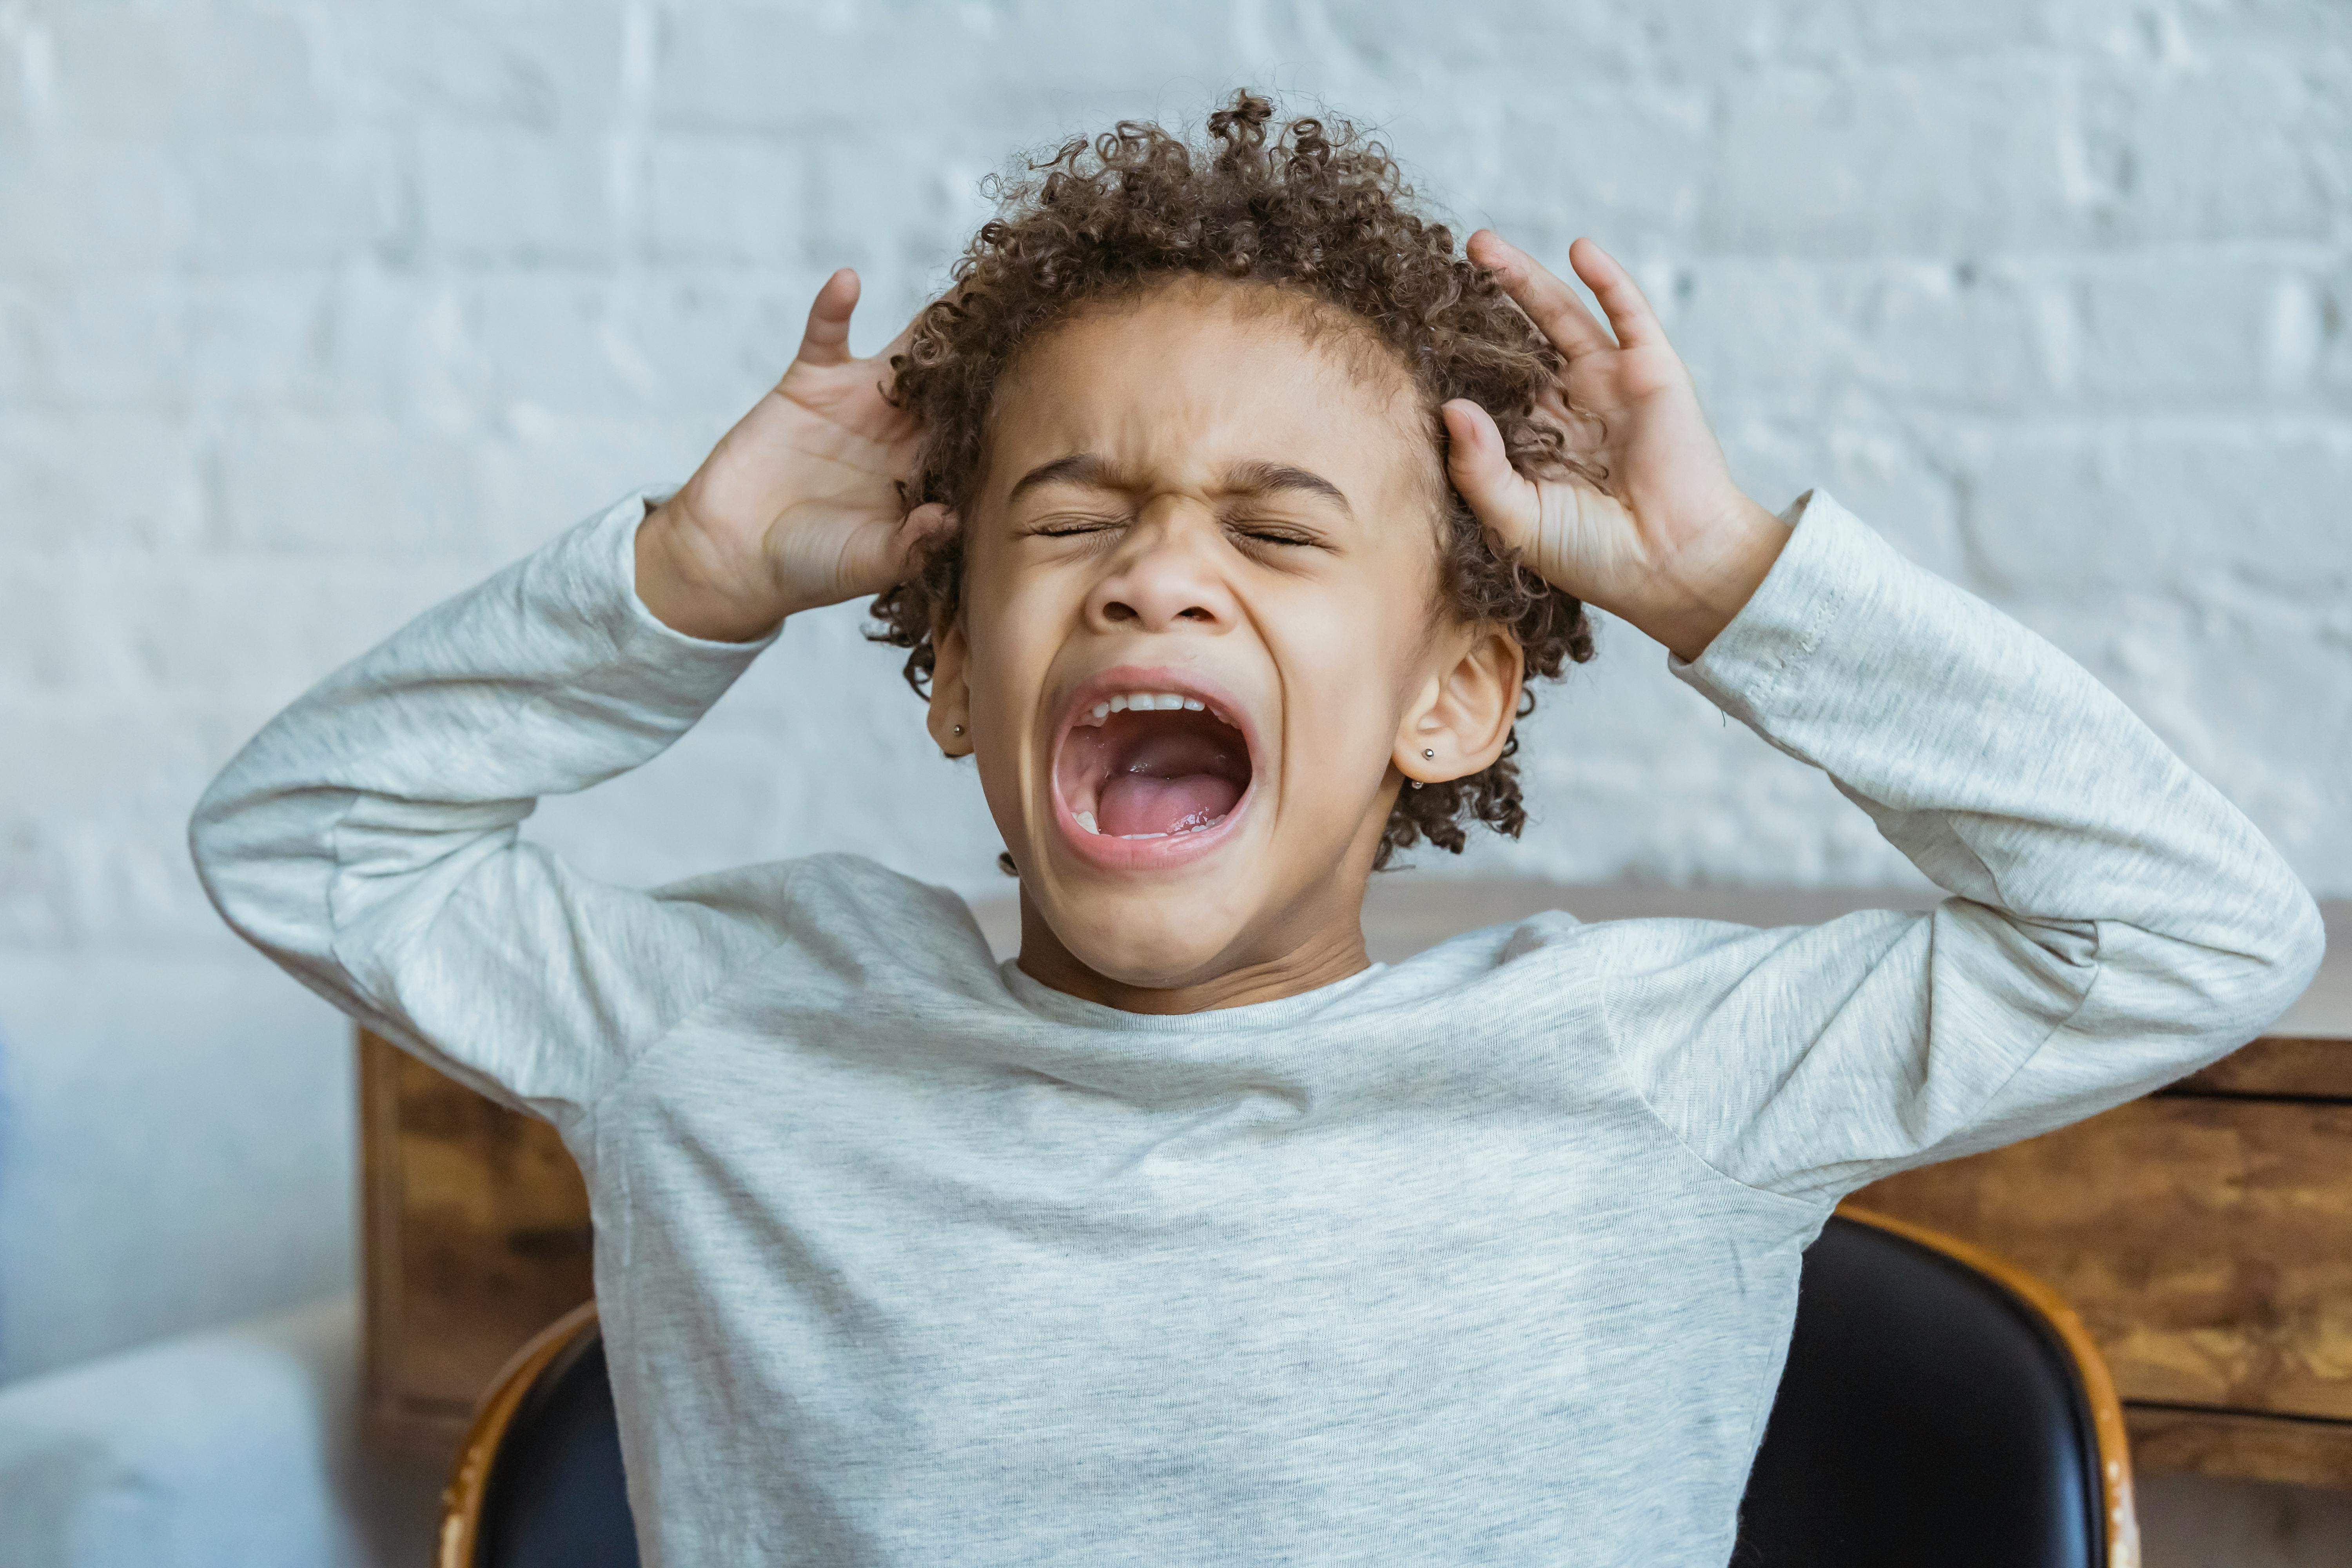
{"points": [[1253, 476]]}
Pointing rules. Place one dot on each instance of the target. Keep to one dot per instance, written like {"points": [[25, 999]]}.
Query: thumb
{"points": [[928, 525], [878, 554], [1504, 498]]}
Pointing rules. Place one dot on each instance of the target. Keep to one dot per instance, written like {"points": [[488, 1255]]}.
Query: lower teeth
{"points": [[1085, 820]]}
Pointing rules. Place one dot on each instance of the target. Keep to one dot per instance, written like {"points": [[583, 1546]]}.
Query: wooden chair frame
{"points": [[469, 1476], [461, 1500]]}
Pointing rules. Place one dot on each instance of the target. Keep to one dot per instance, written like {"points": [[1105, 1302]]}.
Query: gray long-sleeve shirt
{"points": [[1489, 1256]]}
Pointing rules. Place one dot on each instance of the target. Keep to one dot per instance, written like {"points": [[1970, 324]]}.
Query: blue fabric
{"points": [[177, 1153], [236, 1446]]}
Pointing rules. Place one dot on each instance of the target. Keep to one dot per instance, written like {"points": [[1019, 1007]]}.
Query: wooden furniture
{"points": [[2204, 1233], [474, 1235]]}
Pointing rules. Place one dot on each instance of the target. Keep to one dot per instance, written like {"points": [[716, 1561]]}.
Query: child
{"points": [[1224, 510]]}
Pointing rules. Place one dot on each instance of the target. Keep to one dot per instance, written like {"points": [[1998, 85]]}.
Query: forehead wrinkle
{"points": [[1350, 350], [1072, 469], [1261, 475]]}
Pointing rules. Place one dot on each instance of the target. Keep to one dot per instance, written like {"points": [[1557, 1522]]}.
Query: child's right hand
{"points": [[798, 505]]}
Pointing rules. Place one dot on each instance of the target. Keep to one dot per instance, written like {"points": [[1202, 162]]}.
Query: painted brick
{"points": [[57, 634], [1844, 31], [165, 342], [1950, 162], [245, 632], [1785, 334], [272, 201], [345, 488], [726, 198], [16, 92], [96, 340], [720, 339], [740, 67], [2218, 146], [2325, 337], [565, 343], [540, 66], [1882, 473], [93, 479], [2186, 507], [261, 339], [524, 197], [75, 206], [1625, 167], [2172, 329], [1969, 335], [550, 471], [397, 341], [145, 71]]}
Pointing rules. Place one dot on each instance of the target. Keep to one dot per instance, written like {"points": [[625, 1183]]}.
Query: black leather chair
{"points": [[1938, 1409]]}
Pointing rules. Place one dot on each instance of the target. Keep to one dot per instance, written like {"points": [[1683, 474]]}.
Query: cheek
{"points": [[1345, 675], [1015, 640], [1009, 646]]}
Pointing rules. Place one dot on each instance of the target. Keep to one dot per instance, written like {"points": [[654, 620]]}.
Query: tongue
{"points": [[1139, 803]]}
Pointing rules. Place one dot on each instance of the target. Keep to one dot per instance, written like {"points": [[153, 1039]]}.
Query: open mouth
{"points": [[1152, 764]]}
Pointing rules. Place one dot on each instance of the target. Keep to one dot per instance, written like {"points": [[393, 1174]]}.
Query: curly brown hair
{"points": [[1317, 212]]}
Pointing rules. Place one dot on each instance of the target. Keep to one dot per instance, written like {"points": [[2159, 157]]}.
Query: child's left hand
{"points": [[1664, 540]]}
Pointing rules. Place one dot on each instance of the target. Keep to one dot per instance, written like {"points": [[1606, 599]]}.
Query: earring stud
{"points": [[959, 729], [1428, 753]]}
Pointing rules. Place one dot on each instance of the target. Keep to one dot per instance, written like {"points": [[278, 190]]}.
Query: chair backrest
{"points": [[539, 1482], [1938, 1407]]}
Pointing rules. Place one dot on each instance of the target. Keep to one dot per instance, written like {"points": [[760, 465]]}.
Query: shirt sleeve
{"points": [[2112, 922], [366, 839]]}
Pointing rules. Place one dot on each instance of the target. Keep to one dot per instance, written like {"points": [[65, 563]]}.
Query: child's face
{"points": [[1197, 503]]}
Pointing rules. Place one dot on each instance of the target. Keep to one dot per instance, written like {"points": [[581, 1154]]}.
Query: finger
{"points": [[1629, 311], [1504, 498], [826, 340], [1548, 301]]}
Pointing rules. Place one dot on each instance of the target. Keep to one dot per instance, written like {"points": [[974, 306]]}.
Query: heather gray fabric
{"points": [[1489, 1256]]}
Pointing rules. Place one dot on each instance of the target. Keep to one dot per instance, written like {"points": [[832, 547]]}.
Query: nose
{"points": [[1164, 575]]}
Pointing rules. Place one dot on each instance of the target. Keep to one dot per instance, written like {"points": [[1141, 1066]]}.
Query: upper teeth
{"points": [[1144, 701]]}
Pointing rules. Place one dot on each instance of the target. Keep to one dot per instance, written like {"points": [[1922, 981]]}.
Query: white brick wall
{"points": [[311, 314]]}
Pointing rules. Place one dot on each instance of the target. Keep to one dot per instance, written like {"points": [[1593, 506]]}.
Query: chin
{"points": [[1152, 938]]}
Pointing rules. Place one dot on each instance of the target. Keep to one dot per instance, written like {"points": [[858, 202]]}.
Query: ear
{"points": [[951, 717], [1465, 711]]}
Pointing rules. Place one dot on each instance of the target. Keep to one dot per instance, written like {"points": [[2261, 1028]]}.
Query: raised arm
{"points": [[2115, 923], [367, 838]]}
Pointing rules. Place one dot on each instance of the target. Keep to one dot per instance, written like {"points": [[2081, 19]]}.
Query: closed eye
{"points": [[1067, 527], [1273, 535]]}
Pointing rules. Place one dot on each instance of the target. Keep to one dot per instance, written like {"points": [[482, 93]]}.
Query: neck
{"points": [[1334, 952]]}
